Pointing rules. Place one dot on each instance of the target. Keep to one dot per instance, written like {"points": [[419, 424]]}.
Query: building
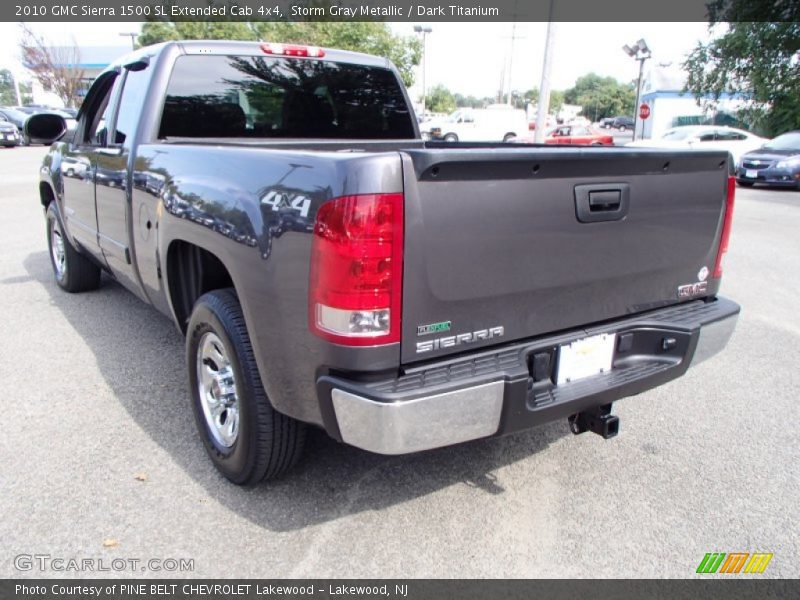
{"points": [[670, 106], [91, 60]]}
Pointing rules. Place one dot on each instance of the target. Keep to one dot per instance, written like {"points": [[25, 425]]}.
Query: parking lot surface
{"points": [[100, 458]]}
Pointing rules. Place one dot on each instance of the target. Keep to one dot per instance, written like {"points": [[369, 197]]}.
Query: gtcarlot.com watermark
{"points": [[62, 564]]}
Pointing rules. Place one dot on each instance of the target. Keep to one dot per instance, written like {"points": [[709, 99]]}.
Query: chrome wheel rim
{"points": [[216, 385], [57, 250]]}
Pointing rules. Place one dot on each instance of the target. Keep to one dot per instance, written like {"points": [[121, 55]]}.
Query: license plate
{"points": [[586, 357], [751, 173]]}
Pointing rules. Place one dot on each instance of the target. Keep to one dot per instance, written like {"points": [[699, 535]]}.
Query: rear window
{"points": [[278, 97]]}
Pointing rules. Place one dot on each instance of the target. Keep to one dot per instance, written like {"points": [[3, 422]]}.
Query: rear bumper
{"points": [[494, 393]]}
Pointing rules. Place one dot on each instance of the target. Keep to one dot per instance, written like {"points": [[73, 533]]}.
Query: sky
{"points": [[465, 57]]}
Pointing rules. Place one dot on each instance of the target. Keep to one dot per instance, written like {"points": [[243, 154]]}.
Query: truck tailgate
{"points": [[503, 244]]}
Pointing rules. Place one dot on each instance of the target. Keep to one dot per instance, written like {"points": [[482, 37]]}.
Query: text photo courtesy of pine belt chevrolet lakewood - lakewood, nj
{"points": [[342, 295]]}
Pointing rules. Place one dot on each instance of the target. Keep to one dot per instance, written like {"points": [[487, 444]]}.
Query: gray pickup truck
{"points": [[329, 267]]}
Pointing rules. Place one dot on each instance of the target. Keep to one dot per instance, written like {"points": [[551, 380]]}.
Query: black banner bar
{"points": [[372, 10]]}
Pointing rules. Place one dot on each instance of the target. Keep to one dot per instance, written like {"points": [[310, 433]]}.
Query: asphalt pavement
{"points": [[100, 459]]}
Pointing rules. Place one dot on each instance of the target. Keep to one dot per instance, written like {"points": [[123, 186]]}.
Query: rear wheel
{"points": [[247, 440], [451, 137], [509, 136], [623, 128], [73, 271]]}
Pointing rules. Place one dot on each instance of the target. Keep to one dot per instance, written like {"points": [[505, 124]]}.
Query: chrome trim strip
{"points": [[714, 337], [421, 423]]}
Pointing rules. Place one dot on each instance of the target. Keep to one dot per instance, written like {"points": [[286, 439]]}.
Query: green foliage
{"points": [[601, 96], [440, 100], [7, 95], [556, 101], [753, 58], [154, 32], [369, 37]]}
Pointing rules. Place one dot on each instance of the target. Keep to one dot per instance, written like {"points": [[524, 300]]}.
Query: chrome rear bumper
{"points": [[489, 393]]}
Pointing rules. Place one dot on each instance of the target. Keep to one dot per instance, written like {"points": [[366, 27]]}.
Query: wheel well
{"points": [[192, 272], [46, 194]]}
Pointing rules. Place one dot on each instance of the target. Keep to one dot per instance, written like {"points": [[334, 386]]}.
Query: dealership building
{"points": [[91, 60], [670, 106]]}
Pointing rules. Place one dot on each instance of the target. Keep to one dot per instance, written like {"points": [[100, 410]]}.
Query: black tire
{"points": [[745, 183], [451, 137], [622, 128], [509, 136], [76, 273], [268, 443]]}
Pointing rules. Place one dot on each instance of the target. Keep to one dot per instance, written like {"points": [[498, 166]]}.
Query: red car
{"points": [[577, 135]]}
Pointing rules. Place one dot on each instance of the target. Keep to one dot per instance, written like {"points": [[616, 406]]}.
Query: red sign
{"points": [[644, 111]]}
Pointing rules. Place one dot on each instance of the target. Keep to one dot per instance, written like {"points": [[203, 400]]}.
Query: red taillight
{"points": [[726, 226], [293, 50], [357, 270]]}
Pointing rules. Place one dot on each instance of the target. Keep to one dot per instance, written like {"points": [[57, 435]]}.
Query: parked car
{"points": [[622, 123], [775, 163], [9, 134], [575, 135], [329, 267], [606, 123], [705, 137], [18, 118], [478, 125]]}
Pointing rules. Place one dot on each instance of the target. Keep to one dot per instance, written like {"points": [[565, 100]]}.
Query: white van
{"points": [[478, 125]]}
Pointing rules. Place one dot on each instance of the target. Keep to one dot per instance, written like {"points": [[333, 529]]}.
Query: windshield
{"points": [[787, 141], [678, 134], [453, 116]]}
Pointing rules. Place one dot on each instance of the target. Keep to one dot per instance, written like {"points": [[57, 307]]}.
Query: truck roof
{"points": [[238, 48]]}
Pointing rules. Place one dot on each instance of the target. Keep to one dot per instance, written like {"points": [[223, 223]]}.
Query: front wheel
{"points": [[73, 271], [247, 440], [451, 137], [623, 128], [509, 136]]}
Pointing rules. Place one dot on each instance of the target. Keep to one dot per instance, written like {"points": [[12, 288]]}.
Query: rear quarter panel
{"points": [[254, 209]]}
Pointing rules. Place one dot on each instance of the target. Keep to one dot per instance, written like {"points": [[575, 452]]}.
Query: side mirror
{"points": [[45, 128]]}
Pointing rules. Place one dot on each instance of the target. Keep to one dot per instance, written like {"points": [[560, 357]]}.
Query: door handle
{"points": [[601, 202]]}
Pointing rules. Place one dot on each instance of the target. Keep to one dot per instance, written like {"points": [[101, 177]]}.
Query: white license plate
{"points": [[586, 357], [751, 173]]}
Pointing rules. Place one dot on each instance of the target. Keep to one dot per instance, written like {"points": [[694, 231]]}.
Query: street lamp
{"points": [[639, 51], [133, 36], [424, 31]]}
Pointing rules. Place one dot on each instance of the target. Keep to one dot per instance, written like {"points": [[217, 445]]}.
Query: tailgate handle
{"points": [[601, 202]]}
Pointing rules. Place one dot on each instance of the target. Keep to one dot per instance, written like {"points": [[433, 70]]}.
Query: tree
{"points": [[8, 96], [369, 37], [55, 67], [440, 100], [756, 57], [601, 96]]}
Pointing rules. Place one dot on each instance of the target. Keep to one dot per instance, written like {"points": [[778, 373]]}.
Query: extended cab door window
{"points": [[96, 111]]}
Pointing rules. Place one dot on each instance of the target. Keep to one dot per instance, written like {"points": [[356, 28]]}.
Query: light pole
{"points": [[424, 31], [133, 36], [639, 51]]}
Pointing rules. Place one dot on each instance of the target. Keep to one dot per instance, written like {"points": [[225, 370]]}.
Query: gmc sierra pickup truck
{"points": [[329, 267]]}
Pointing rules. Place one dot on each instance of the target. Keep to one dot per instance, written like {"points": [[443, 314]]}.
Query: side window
{"points": [[94, 126], [134, 90], [728, 136], [708, 137]]}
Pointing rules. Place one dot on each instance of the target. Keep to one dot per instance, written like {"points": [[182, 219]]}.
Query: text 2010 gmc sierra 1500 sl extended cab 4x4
{"points": [[329, 267]]}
